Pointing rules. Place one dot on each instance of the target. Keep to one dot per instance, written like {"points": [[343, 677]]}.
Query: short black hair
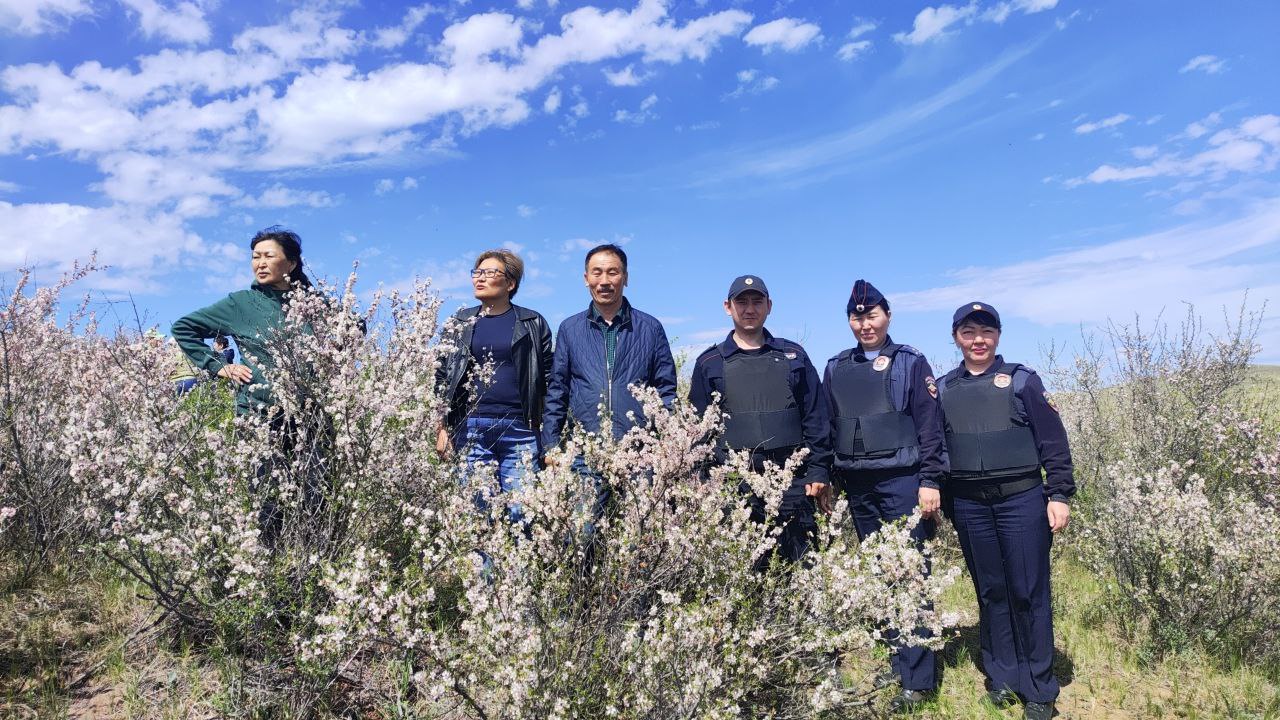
{"points": [[609, 248], [220, 340]]}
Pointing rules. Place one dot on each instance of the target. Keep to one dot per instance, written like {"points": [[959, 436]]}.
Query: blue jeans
{"points": [[504, 442]]}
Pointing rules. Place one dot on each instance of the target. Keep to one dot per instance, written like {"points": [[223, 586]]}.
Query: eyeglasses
{"points": [[487, 273]]}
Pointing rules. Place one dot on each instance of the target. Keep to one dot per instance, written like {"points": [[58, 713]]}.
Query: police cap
{"points": [[745, 283], [864, 297], [980, 312]]}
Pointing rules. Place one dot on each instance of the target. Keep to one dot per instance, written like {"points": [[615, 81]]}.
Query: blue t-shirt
{"points": [[500, 397]]}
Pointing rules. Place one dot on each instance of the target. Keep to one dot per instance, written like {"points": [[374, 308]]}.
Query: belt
{"points": [[991, 491]]}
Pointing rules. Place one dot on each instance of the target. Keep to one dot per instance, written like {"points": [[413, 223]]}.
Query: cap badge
{"points": [[977, 306], [749, 281], [861, 307], [881, 363], [1002, 380]]}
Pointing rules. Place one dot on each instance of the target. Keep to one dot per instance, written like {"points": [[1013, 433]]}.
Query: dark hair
{"points": [[609, 248], [292, 246], [220, 340], [512, 265]]}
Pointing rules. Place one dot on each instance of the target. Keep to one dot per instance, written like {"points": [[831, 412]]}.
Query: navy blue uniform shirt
{"points": [[914, 392], [708, 378], [1032, 403]]}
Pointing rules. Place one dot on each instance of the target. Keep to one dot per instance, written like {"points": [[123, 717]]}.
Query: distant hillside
{"points": [[1266, 373]]}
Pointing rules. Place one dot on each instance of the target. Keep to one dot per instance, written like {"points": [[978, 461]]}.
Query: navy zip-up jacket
{"points": [[913, 390], [581, 379], [708, 378], [1035, 409]]}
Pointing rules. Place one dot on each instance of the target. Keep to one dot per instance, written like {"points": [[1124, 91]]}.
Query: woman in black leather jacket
{"points": [[496, 420]]}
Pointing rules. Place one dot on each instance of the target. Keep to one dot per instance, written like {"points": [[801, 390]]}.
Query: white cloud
{"points": [[1110, 122], [1252, 147], [279, 196], [1144, 152], [386, 185], [641, 115], [1208, 64], [626, 77], [136, 244], [183, 22], [751, 82], [796, 161], [931, 23], [1001, 11], [176, 131], [552, 103], [1144, 274], [9, 187], [526, 211], [851, 50], [787, 34], [1038, 137], [396, 35], [32, 17], [1202, 127], [862, 27]]}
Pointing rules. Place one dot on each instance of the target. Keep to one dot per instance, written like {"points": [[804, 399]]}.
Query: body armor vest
{"points": [[866, 423], [983, 435], [762, 412]]}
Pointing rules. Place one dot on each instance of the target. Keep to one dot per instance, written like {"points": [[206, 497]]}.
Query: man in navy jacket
{"points": [[600, 353]]}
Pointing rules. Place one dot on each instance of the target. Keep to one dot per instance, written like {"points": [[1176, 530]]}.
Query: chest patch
{"points": [[1002, 380], [790, 355], [880, 363]]}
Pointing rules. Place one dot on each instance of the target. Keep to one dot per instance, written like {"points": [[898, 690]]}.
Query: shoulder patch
{"points": [[1049, 400], [932, 386], [791, 355]]}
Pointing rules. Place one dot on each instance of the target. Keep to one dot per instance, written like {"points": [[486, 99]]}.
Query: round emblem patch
{"points": [[880, 363], [977, 306], [749, 281], [1002, 380]]}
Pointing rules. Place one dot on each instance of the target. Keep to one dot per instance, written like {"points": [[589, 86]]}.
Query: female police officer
{"points": [[886, 432], [1001, 430]]}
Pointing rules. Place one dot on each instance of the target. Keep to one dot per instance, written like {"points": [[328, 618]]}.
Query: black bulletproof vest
{"points": [[983, 434], [867, 425], [762, 411]]}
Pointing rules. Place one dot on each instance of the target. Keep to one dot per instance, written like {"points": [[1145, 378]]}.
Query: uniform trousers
{"points": [[1006, 547], [877, 497]]}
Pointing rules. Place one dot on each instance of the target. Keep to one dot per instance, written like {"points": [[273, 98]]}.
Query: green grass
{"points": [[73, 621], [1103, 671]]}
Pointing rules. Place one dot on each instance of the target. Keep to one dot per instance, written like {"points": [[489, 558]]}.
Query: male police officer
{"points": [[1002, 430], [888, 451], [770, 395]]}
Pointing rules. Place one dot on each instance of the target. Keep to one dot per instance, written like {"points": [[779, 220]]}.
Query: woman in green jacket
{"points": [[253, 317], [250, 316]]}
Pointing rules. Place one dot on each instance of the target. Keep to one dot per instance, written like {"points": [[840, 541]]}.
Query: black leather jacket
{"points": [[531, 354]]}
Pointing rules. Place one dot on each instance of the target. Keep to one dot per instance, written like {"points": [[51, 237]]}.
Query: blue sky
{"points": [[1066, 161]]}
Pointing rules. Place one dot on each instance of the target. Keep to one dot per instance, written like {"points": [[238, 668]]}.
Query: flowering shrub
{"points": [[1178, 503], [1199, 569], [329, 549], [42, 378]]}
